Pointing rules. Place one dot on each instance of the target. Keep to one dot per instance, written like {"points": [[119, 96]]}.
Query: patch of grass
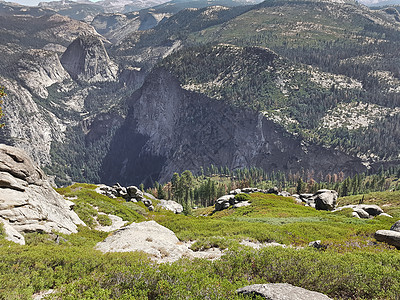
{"points": [[274, 218], [87, 199], [104, 220], [214, 242], [2, 231]]}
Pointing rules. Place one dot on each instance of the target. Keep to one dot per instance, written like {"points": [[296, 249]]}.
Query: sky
{"points": [[30, 2]]}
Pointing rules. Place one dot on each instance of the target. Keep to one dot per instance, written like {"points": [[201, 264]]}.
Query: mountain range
{"points": [[285, 85]]}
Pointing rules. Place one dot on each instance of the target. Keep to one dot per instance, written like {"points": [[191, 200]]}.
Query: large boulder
{"points": [[371, 209], [223, 202], [390, 237], [396, 226], [171, 205], [27, 201], [134, 192], [280, 291], [149, 237], [325, 199]]}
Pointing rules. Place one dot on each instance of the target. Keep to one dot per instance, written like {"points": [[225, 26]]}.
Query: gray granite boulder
{"points": [[171, 205], [371, 209], [281, 291], [396, 226], [390, 237], [223, 202], [134, 192], [241, 204], [361, 213], [365, 211], [150, 237], [28, 203], [325, 199]]}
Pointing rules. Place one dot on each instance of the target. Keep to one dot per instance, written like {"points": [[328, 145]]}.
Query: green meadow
{"points": [[351, 265]]}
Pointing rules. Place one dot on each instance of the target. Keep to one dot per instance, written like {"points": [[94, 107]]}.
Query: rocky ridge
{"points": [[27, 201]]}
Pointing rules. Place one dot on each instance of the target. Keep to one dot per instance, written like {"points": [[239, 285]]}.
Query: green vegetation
{"points": [[2, 94], [204, 189], [88, 203], [351, 266], [242, 197]]}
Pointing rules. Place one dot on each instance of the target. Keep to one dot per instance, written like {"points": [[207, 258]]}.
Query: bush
{"points": [[104, 220], [242, 197]]}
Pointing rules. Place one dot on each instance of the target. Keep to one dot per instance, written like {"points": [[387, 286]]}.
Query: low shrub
{"points": [[242, 197], [104, 220]]}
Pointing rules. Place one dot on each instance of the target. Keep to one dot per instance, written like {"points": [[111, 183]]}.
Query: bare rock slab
{"points": [[28, 203], [281, 291], [149, 237]]}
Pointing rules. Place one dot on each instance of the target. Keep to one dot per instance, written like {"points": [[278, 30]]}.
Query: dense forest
{"points": [[203, 189]]}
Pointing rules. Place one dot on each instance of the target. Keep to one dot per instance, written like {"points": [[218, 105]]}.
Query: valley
{"points": [[199, 150], [293, 71]]}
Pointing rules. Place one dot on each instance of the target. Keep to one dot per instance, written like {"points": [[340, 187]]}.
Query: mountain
{"points": [[169, 129], [86, 10], [375, 3], [284, 85], [78, 10]]}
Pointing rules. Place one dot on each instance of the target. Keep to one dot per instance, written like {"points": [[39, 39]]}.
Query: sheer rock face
{"points": [[86, 59], [39, 69], [169, 129], [27, 201], [30, 126]]}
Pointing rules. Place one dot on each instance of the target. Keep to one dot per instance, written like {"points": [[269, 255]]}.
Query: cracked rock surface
{"points": [[27, 201]]}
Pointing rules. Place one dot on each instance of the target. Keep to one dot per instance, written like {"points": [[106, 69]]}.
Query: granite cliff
{"points": [[169, 129]]}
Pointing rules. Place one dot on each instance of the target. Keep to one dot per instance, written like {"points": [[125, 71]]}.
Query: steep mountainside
{"points": [[170, 129], [283, 85]]}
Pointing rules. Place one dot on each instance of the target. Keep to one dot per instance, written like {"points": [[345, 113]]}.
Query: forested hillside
{"points": [[322, 76]]}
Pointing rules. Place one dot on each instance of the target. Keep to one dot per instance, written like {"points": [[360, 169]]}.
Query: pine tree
{"points": [[2, 94]]}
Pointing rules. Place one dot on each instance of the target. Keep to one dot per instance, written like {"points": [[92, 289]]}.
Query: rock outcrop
{"points": [[281, 291], [325, 199], [391, 237], [365, 211], [159, 242], [149, 237], [27, 201], [396, 226], [227, 201], [130, 194], [86, 60], [321, 200]]}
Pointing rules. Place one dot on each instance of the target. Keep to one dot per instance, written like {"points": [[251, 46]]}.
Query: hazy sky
{"points": [[31, 2]]}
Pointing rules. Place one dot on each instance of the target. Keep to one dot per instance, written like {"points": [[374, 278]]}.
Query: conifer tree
{"points": [[2, 94]]}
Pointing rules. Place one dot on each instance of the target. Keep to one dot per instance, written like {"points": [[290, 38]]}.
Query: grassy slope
{"points": [[352, 266]]}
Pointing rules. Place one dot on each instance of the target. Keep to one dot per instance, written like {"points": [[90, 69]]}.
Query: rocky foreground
{"points": [[27, 201]]}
